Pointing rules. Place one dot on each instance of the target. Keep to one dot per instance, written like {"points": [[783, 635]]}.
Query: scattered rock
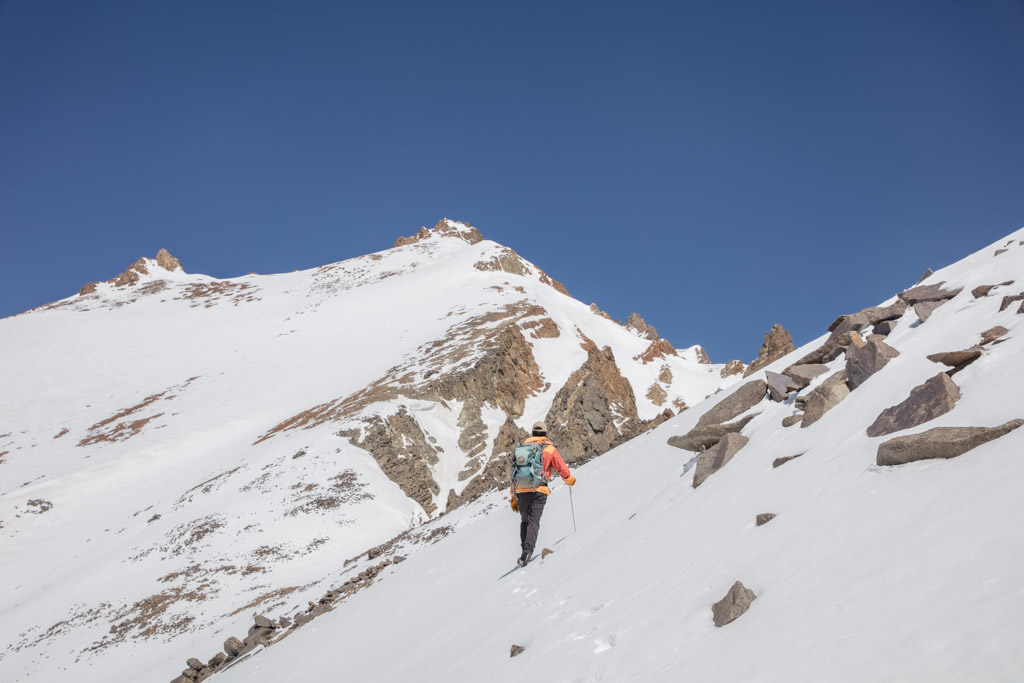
{"points": [[1000, 251], [777, 343], [824, 398], [940, 442], [517, 650], [195, 664], [862, 363], [716, 457], [926, 293], [764, 518], [545, 552], [928, 272], [925, 309], [884, 328], [217, 660], [981, 290], [956, 358], [706, 436], [990, 335], [782, 461], [1008, 300], [740, 401], [831, 349], [733, 367], [733, 605], [926, 402], [639, 325], [792, 420], [802, 375], [262, 622], [777, 385]]}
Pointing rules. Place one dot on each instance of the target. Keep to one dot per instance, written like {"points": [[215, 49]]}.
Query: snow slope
{"points": [[868, 573], [141, 515]]}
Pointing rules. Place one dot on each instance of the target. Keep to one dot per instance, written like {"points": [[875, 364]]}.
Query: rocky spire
{"points": [[777, 343], [444, 228]]}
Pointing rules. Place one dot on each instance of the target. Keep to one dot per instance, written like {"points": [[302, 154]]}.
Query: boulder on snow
{"points": [[926, 293], [195, 664], [733, 605], [740, 401], [261, 621], [708, 435], [233, 646], [764, 518], [791, 420], [824, 398], [782, 461], [803, 374], [831, 349], [990, 335], [940, 442], [925, 309], [1009, 300], [777, 343], [517, 650], [862, 363], [954, 359], [926, 402], [777, 385], [884, 328], [717, 456]]}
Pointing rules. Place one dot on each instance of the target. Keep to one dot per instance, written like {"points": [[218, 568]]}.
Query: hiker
{"points": [[530, 485]]}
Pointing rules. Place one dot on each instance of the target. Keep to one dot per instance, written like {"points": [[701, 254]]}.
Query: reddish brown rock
{"points": [[639, 325], [733, 367], [777, 343], [659, 348], [991, 334], [444, 228]]}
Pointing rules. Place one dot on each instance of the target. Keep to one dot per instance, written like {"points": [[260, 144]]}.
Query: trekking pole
{"points": [[573, 508]]}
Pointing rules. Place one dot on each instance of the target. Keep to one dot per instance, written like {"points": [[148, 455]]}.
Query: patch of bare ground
{"points": [[38, 506], [270, 597], [153, 616], [61, 433], [186, 535], [345, 488], [208, 294], [114, 428], [545, 328], [205, 487], [79, 617]]}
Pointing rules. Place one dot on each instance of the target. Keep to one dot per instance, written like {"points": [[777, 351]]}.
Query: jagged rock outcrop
{"points": [[639, 325], [733, 367], [740, 401], [168, 262], [706, 436], [833, 348], [778, 385], [597, 311], [867, 317], [587, 412], [495, 474], [702, 355], [864, 362], [444, 228], [803, 374], [659, 348], [735, 603], [716, 457], [928, 293], [505, 261], [777, 343], [824, 398], [940, 442], [926, 402], [1009, 300], [135, 271]]}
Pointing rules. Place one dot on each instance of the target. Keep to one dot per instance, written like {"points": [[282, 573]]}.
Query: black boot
{"points": [[525, 558]]}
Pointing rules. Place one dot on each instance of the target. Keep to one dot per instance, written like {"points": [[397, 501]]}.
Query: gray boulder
{"points": [[517, 650], [834, 347], [866, 361], [708, 435], [824, 398], [791, 420], [233, 646], [926, 402], [926, 293], [990, 335], [803, 374], [195, 664], [884, 328], [733, 605], [925, 309], [717, 456], [940, 442], [1008, 300], [782, 461], [777, 386], [764, 518], [744, 398]]}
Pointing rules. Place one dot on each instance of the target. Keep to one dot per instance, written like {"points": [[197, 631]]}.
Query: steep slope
{"points": [[866, 572], [179, 451]]}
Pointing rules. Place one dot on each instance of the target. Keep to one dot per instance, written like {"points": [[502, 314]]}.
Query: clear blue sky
{"points": [[715, 166]]}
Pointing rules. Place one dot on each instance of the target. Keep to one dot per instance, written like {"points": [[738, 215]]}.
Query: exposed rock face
{"points": [[597, 311], [926, 402], [496, 473], [168, 262], [803, 374], [777, 343], [707, 436], [831, 349], [506, 261], [587, 413], [444, 228], [983, 290], [825, 397], [403, 453], [862, 363], [764, 518], [733, 605], [733, 367], [744, 398], [940, 442], [926, 293], [639, 325], [990, 335], [777, 385], [660, 348], [88, 288], [472, 430], [716, 457], [656, 394]]}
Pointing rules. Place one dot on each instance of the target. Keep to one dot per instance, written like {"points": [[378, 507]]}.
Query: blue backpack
{"points": [[528, 466]]}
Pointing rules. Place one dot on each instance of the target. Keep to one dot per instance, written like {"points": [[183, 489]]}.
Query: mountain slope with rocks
{"points": [[846, 512], [179, 452]]}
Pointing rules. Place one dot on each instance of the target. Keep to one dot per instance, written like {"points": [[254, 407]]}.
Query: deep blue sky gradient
{"points": [[715, 166]]}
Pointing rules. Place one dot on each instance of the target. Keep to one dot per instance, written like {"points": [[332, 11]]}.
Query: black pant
{"points": [[531, 507]]}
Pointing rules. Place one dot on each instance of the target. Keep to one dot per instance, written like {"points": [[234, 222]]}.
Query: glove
{"points": [[571, 481], [515, 504]]}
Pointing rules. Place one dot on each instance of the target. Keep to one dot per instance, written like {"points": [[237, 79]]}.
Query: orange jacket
{"points": [[551, 459]]}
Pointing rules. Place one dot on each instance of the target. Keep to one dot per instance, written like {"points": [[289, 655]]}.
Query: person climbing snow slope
{"points": [[532, 464]]}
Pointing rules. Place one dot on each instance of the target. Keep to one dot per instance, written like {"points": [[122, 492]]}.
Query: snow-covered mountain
{"points": [[860, 497], [178, 452]]}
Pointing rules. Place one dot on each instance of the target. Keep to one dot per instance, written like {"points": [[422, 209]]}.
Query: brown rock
{"points": [[444, 228], [168, 262], [927, 293], [825, 397], [88, 288], [802, 375], [733, 367], [262, 622], [706, 436], [195, 664], [954, 358], [926, 402], [990, 335], [777, 385], [864, 362], [782, 461], [982, 290], [777, 343], [639, 325], [740, 401], [702, 356], [517, 650], [733, 605], [1008, 300], [940, 442], [764, 518], [657, 349], [884, 328], [716, 457], [830, 350], [879, 314], [233, 646], [925, 309], [792, 420]]}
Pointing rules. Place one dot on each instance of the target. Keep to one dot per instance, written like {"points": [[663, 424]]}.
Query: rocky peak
{"points": [[444, 228], [777, 343], [135, 271], [639, 325], [168, 262]]}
